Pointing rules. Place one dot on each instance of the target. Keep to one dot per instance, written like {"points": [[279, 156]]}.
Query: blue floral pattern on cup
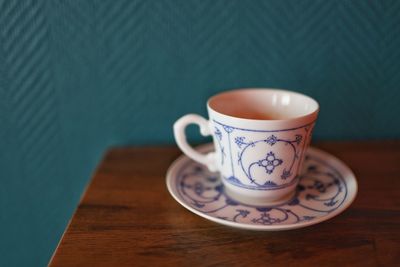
{"points": [[237, 147]]}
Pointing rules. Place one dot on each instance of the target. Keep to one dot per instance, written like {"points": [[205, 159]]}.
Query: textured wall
{"points": [[79, 76]]}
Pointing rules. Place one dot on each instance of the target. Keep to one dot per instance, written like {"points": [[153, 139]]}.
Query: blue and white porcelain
{"points": [[326, 188], [260, 138]]}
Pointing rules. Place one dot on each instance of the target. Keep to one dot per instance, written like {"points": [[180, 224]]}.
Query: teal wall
{"points": [[79, 76]]}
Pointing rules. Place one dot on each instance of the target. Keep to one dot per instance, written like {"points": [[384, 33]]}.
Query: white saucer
{"points": [[326, 189]]}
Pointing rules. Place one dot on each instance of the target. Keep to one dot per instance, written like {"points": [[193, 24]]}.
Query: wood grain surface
{"points": [[127, 218]]}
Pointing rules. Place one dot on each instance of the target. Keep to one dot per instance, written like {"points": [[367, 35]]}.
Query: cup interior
{"points": [[263, 104]]}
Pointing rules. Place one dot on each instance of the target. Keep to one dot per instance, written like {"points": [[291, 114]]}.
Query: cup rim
{"points": [[310, 114]]}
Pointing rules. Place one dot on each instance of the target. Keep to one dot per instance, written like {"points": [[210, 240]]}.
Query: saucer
{"points": [[326, 188]]}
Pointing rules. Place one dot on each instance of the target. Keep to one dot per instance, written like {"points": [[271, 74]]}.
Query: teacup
{"points": [[260, 138]]}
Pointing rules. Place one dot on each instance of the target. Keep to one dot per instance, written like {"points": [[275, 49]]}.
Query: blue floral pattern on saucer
{"points": [[326, 188]]}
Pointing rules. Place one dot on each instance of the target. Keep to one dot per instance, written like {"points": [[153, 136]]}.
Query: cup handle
{"points": [[180, 137]]}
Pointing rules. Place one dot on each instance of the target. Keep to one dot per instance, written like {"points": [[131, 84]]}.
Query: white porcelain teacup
{"points": [[260, 138]]}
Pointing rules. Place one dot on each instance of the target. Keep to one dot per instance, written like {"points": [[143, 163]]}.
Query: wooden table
{"points": [[127, 218]]}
